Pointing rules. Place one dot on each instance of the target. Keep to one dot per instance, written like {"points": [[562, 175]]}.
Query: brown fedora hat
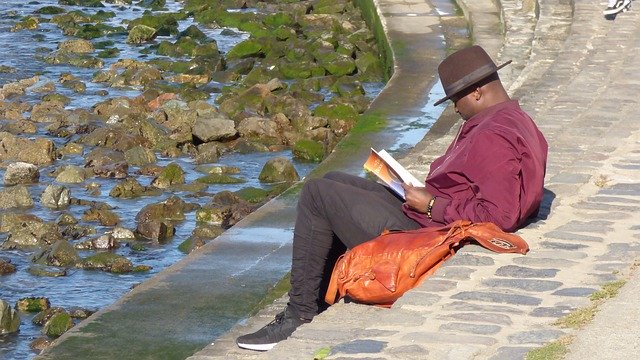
{"points": [[464, 68]]}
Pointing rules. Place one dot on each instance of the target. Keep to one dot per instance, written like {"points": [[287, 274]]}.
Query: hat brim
{"points": [[484, 76]]}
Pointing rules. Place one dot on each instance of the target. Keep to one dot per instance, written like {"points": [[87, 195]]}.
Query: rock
{"points": [[246, 48], [44, 270], [104, 242], [220, 179], [15, 197], [28, 231], [55, 197], [105, 217], [33, 304], [191, 244], [108, 261], [80, 313], [128, 188], [208, 153], [57, 325], [172, 174], [120, 233], [61, 253], [278, 169], [308, 150], [119, 170], [43, 316], [72, 174], [260, 129], [214, 127], [38, 152], [66, 219], [140, 34], [79, 46], [40, 344], [155, 230], [21, 173], [139, 156], [6, 267], [9, 318]]}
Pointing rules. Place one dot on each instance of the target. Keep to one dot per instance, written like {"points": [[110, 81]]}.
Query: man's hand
{"points": [[416, 197]]}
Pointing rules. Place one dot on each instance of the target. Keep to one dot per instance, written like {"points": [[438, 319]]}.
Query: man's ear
{"points": [[477, 93]]}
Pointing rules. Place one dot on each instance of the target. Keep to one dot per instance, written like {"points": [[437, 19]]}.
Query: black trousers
{"points": [[336, 212]]}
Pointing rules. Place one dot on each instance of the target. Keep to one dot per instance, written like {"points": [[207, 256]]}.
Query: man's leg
{"points": [[338, 206], [329, 209]]}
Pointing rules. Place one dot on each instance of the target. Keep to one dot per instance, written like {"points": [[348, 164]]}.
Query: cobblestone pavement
{"points": [[575, 73]]}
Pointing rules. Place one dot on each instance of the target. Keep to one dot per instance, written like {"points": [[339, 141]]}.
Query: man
{"points": [[492, 172]]}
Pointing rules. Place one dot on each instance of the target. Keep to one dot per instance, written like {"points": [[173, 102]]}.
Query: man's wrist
{"points": [[430, 206]]}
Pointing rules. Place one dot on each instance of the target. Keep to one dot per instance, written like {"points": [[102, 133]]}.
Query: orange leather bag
{"points": [[379, 271]]}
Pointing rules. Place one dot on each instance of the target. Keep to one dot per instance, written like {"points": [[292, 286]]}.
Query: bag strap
{"points": [[332, 289], [490, 236]]}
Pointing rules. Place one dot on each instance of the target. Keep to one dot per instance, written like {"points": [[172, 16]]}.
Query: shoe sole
{"points": [[625, 6], [256, 347]]}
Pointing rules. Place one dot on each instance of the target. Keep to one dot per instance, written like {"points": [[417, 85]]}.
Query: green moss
{"points": [[276, 292], [33, 304], [50, 10], [552, 351], [308, 150], [371, 17], [322, 353], [336, 111], [608, 290], [253, 194], [246, 48], [58, 324], [220, 179]]}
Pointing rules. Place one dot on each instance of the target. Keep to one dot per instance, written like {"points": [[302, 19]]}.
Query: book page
{"points": [[390, 171]]}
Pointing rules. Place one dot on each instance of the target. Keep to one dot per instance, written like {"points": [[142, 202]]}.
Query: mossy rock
{"points": [[109, 53], [165, 24], [246, 48], [140, 34], [220, 179], [109, 262], [212, 215], [193, 32], [48, 271], [57, 97], [278, 169], [50, 10], [172, 174], [58, 325], [308, 150], [253, 194], [33, 304], [43, 316], [341, 65], [336, 111], [85, 3], [370, 67], [278, 19]]}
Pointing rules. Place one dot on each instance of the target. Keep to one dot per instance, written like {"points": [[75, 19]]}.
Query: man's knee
{"points": [[335, 175]]}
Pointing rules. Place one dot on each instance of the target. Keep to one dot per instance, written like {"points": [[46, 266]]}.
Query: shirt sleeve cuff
{"points": [[437, 211]]}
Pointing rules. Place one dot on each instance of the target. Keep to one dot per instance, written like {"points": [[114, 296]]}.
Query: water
{"points": [[83, 288]]}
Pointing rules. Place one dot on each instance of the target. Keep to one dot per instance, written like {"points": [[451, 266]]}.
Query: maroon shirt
{"points": [[492, 172]]}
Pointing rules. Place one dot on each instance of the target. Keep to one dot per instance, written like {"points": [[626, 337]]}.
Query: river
{"points": [[83, 288]]}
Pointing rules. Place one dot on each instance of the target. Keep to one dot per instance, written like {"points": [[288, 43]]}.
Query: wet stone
{"points": [[544, 262], [594, 226], [564, 235], [562, 246], [408, 352], [466, 306], [552, 312], [438, 285], [524, 272], [500, 319], [454, 272], [479, 329], [522, 284], [359, 347], [470, 260], [497, 298], [535, 337], [510, 353], [576, 292]]}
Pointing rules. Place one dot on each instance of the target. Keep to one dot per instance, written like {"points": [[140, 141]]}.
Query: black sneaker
{"points": [[279, 329]]}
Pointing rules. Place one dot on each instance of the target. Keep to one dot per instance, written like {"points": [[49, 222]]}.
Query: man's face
{"points": [[465, 105]]}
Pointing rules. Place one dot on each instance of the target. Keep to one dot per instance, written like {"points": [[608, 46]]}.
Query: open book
{"points": [[390, 171]]}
